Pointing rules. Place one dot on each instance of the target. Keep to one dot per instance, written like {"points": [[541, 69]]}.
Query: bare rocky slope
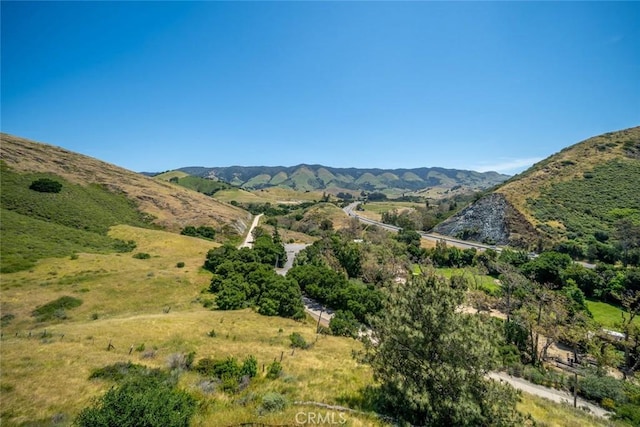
{"points": [[171, 206], [584, 188], [491, 220]]}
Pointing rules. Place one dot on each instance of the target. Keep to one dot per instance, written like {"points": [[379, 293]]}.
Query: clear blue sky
{"points": [[153, 86]]}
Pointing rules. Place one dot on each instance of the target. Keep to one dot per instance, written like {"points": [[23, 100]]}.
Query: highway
{"points": [[462, 244]]}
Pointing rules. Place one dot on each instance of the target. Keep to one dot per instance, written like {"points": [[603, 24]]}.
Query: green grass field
{"points": [[273, 195], [476, 280], [608, 315], [374, 210]]}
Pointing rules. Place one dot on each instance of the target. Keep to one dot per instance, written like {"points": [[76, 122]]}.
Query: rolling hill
{"points": [[94, 197], [572, 195], [317, 177]]}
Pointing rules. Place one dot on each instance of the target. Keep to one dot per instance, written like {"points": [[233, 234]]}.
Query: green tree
{"points": [[344, 323], [432, 360], [547, 268], [631, 343], [269, 251]]}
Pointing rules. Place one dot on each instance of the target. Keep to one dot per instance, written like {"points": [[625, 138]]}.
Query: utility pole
{"points": [[575, 389]]}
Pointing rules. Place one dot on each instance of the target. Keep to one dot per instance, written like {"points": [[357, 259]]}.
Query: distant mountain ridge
{"points": [[305, 177]]}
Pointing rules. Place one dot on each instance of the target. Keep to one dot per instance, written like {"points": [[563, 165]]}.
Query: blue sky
{"points": [[153, 86]]}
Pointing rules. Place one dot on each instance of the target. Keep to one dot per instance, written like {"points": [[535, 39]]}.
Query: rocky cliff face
{"points": [[491, 220]]}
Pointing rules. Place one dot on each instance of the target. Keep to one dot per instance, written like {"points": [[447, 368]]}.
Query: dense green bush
{"points": [[140, 401], [55, 309], [336, 291], [46, 185], [298, 341], [141, 255], [240, 280], [274, 370], [203, 231], [124, 246], [228, 371], [598, 387], [119, 371], [344, 323], [249, 367]]}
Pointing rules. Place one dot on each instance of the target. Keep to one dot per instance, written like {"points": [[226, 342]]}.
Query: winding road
{"points": [[433, 237]]}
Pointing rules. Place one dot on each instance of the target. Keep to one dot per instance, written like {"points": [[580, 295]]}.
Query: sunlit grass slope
{"points": [[171, 206], [37, 225], [130, 302]]}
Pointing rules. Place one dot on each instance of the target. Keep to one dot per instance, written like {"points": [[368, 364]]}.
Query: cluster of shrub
{"points": [[271, 210], [150, 397], [203, 231], [606, 282], [46, 185], [343, 291], [56, 309], [600, 214], [141, 396], [353, 300], [246, 278]]}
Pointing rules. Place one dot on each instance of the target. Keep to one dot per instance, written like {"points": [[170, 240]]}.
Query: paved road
{"points": [[547, 393], [434, 237], [292, 250], [314, 308], [350, 210]]}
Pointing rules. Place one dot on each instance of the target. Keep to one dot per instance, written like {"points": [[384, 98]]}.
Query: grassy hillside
{"points": [[166, 176], [124, 302], [202, 185], [38, 225], [171, 206], [274, 195], [580, 207], [583, 188]]}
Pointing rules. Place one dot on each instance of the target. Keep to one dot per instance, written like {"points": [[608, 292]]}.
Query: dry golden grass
{"points": [[113, 284], [553, 414], [44, 376], [172, 206], [273, 195], [166, 176]]}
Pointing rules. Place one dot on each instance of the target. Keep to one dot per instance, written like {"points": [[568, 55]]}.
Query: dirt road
{"points": [[248, 241]]}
